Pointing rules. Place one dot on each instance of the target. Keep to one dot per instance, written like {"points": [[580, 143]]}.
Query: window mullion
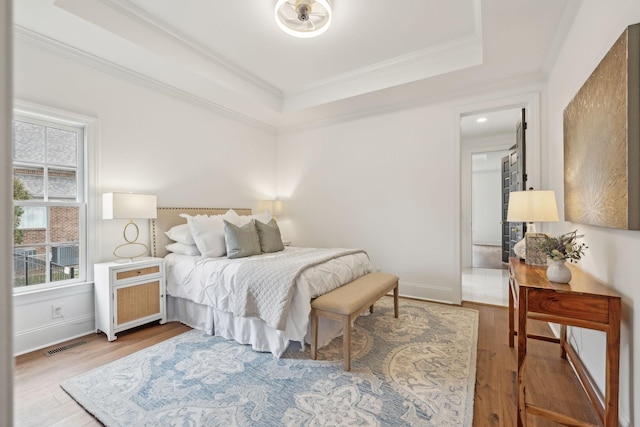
{"points": [[47, 246]]}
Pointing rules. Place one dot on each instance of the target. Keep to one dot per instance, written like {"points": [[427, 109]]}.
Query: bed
{"points": [[259, 300]]}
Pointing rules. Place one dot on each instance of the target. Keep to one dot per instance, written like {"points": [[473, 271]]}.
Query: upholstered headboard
{"points": [[168, 217]]}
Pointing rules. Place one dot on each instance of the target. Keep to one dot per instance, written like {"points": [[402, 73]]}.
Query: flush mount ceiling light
{"points": [[303, 18]]}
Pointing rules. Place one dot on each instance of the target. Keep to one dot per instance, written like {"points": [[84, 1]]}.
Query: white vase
{"points": [[558, 272]]}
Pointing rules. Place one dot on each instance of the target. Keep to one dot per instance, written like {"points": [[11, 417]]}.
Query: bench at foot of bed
{"points": [[347, 302]]}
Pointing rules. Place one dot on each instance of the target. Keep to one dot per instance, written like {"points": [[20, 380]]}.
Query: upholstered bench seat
{"points": [[347, 302]]}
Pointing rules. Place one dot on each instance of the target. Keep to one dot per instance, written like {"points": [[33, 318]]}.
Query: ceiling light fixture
{"points": [[481, 120], [303, 18]]}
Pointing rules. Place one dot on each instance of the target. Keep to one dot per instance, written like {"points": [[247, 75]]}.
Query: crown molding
{"points": [[421, 55], [456, 55], [431, 60], [562, 31], [521, 85], [165, 30], [68, 51]]}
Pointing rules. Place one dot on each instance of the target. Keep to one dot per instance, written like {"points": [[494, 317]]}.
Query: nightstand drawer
{"points": [[127, 274]]}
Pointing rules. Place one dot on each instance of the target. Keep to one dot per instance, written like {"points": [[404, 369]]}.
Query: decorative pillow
{"points": [[208, 233], [269, 235], [181, 234], [241, 241], [182, 249]]}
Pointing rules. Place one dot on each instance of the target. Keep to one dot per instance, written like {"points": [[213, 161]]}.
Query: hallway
{"points": [[486, 281]]}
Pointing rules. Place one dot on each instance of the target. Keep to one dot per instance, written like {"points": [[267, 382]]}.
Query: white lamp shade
{"points": [[532, 206], [129, 206], [275, 207]]}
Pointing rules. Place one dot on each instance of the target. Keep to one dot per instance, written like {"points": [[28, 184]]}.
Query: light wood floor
{"points": [[39, 400]]}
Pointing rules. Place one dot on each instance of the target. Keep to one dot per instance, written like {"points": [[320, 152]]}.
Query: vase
{"points": [[558, 272]]}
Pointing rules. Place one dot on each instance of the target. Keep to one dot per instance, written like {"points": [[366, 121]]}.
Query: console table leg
{"points": [[563, 341], [522, 355], [511, 312], [612, 378]]}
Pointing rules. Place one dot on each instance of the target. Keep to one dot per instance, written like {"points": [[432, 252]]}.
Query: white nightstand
{"points": [[129, 294]]}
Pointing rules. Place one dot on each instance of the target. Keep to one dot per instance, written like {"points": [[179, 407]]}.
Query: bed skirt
{"points": [[245, 330]]}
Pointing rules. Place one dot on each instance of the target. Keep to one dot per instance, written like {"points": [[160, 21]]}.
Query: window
{"points": [[50, 201]]}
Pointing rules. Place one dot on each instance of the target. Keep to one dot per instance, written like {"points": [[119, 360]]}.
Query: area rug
{"points": [[415, 370]]}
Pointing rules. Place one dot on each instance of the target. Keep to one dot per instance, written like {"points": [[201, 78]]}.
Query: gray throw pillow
{"points": [[269, 234], [241, 241]]}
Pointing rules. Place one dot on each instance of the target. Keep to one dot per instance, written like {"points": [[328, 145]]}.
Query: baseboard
{"points": [[487, 243], [51, 334], [589, 385], [426, 292]]}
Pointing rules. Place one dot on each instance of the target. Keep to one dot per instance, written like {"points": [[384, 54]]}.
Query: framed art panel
{"points": [[602, 141]]}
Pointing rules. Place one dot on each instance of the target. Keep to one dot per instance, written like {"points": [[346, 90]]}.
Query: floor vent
{"points": [[63, 348]]}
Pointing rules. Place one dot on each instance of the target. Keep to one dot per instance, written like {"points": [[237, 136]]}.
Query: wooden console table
{"points": [[585, 303]]}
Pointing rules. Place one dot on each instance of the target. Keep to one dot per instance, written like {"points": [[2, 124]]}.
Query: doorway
{"points": [[486, 138]]}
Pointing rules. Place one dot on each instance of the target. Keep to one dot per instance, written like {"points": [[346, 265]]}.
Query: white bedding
{"points": [[201, 291]]}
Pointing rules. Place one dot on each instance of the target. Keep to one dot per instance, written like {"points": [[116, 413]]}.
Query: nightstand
{"points": [[129, 294]]}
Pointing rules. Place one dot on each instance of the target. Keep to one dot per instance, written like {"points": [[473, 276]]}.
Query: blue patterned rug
{"points": [[416, 370]]}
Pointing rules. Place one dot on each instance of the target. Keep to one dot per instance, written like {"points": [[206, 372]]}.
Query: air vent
{"points": [[63, 348]]}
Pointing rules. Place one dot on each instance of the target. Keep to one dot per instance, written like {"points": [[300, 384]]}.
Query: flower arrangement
{"points": [[564, 247]]}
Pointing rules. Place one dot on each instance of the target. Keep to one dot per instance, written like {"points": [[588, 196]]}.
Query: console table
{"points": [[585, 302]]}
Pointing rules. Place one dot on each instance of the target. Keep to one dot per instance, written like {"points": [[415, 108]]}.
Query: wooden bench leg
{"points": [[395, 301], [314, 334], [346, 341]]}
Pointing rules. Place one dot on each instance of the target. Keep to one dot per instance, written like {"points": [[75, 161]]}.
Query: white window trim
{"points": [[90, 229]]}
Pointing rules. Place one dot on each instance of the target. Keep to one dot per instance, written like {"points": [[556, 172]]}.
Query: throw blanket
{"points": [[264, 287]]}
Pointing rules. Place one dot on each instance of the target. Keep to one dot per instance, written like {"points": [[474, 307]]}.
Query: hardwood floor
{"points": [[39, 400], [551, 382]]}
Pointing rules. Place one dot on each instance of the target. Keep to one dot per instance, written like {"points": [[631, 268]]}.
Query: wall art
{"points": [[602, 141]]}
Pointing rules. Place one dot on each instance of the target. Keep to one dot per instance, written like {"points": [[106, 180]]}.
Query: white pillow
{"points": [[182, 249], [181, 234], [263, 217], [234, 218], [208, 233], [241, 220]]}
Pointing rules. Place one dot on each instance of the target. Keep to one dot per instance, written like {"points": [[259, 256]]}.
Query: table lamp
{"points": [[531, 206], [129, 206]]}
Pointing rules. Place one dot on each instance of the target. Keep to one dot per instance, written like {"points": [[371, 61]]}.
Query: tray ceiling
{"points": [[376, 54]]}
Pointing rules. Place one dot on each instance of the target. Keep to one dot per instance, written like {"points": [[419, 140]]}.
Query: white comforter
{"points": [[212, 281]]}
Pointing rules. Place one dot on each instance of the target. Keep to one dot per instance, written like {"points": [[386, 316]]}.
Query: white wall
{"points": [[487, 198], [387, 184], [147, 142], [613, 254]]}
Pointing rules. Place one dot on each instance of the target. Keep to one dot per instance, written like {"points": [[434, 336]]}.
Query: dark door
{"points": [[517, 181], [521, 154], [506, 229]]}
